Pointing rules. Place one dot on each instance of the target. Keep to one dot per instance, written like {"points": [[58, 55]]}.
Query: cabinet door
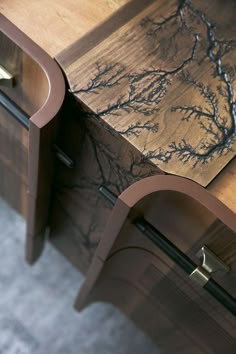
{"points": [[30, 100]]}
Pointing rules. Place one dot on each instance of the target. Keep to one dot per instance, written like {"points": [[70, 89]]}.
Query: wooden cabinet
{"points": [[147, 96], [148, 116]]}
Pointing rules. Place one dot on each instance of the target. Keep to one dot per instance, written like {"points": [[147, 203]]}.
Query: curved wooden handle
{"points": [[149, 185]]}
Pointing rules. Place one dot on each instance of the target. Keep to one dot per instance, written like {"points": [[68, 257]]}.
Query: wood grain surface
{"points": [[165, 82], [30, 94], [79, 213], [153, 92], [224, 186], [52, 25], [102, 155], [56, 24], [140, 279]]}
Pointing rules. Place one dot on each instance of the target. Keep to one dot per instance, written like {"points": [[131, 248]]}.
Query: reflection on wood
{"points": [[79, 213]]}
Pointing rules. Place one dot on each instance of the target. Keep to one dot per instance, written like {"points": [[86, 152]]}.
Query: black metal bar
{"points": [[176, 255], [65, 159], [165, 245], [111, 197], [21, 116]]}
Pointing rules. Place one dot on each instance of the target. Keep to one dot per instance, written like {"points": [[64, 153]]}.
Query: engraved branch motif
{"points": [[109, 169], [148, 87], [107, 76], [220, 131]]}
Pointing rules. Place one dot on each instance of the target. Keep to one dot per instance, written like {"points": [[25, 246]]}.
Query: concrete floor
{"points": [[36, 305]]}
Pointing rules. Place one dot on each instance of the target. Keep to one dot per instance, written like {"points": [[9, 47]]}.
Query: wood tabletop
{"points": [[56, 24], [165, 81]]}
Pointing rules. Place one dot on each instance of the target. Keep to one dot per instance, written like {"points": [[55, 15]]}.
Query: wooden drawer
{"points": [[129, 94], [36, 93], [141, 273]]}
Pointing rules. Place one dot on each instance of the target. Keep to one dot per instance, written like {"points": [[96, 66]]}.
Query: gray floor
{"points": [[36, 314]]}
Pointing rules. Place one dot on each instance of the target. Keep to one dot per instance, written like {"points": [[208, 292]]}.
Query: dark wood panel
{"points": [[29, 92], [78, 212], [131, 272], [179, 316], [28, 150]]}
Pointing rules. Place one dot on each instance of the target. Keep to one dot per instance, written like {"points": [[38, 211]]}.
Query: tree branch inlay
{"points": [[147, 87]]}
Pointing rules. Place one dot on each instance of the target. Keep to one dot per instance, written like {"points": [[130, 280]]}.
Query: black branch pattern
{"points": [[104, 165], [147, 87], [142, 101], [107, 76], [220, 130]]}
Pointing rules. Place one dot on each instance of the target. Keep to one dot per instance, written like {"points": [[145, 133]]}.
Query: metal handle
{"points": [[210, 264], [6, 78], [183, 261]]}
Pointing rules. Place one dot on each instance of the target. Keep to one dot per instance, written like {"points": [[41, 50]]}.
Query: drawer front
{"points": [[146, 273], [28, 89], [179, 316], [29, 111]]}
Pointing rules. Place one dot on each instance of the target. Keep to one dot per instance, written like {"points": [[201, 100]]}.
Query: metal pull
{"points": [[210, 264], [64, 158], [6, 78]]}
